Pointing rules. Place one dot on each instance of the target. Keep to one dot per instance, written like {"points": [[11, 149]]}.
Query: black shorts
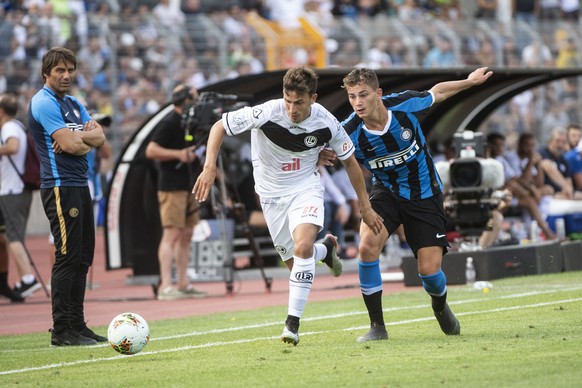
{"points": [[424, 220]]}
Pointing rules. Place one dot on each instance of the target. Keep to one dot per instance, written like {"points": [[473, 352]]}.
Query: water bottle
{"points": [[470, 274], [561, 228]]}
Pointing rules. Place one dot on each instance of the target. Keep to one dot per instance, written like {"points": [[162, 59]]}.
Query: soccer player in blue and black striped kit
{"points": [[64, 134], [407, 188]]}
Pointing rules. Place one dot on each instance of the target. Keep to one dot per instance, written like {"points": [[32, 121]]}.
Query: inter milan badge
{"points": [[406, 134], [77, 113], [74, 212]]}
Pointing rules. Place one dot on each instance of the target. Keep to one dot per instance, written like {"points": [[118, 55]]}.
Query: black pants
{"points": [[70, 214]]}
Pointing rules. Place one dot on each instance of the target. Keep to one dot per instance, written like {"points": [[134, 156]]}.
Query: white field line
{"points": [[221, 343]]}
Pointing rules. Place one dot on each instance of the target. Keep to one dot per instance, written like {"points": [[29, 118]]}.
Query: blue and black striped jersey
{"points": [[398, 156]]}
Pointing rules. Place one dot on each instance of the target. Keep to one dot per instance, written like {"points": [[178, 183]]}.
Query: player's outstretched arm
{"points": [[444, 90], [206, 178]]}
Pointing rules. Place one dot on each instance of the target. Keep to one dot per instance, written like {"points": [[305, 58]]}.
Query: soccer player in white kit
{"points": [[287, 135]]}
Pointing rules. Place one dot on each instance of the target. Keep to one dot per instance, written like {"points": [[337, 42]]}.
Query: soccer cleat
{"points": [[289, 336], [86, 332], [449, 323], [376, 333], [25, 290], [70, 338], [331, 259]]}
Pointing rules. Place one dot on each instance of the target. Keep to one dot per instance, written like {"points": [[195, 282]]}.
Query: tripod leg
{"points": [[42, 283]]}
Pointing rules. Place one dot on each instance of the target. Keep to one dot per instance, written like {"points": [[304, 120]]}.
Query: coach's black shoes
{"points": [[449, 323], [70, 337], [376, 333], [86, 332], [331, 259]]}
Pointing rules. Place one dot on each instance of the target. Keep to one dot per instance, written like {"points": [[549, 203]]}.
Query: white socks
{"points": [[300, 282]]}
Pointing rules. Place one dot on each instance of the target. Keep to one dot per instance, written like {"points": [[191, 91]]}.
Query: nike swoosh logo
{"points": [[371, 149], [66, 114], [440, 235]]}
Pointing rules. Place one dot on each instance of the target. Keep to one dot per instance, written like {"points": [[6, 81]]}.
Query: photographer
{"points": [[172, 146]]}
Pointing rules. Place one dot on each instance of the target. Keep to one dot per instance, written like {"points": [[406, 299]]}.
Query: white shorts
{"points": [[283, 214]]}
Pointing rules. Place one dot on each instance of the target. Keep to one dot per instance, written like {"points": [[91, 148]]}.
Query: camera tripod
{"points": [[220, 210]]}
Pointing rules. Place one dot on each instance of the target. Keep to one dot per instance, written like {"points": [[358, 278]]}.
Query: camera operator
{"points": [[172, 146]]}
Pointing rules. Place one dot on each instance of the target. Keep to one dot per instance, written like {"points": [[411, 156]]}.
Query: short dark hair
{"points": [[180, 94], [300, 79], [52, 58], [9, 104], [359, 76]]}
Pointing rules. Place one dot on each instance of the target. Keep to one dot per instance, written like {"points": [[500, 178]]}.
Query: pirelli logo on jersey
{"points": [[396, 159]]}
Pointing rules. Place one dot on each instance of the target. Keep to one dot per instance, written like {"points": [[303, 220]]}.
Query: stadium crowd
{"points": [[133, 53]]}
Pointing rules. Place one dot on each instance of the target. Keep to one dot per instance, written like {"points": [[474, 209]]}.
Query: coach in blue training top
{"points": [[407, 189], [64, 133]]}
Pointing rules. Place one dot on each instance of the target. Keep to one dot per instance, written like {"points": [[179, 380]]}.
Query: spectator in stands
{"points": [[441, 54], [526, 10], [486, 9], [574, 159], [345, 8], [574, 135], [378, 57], [550, 9], [15, 198], [557, 172], [519, 178], [537, 54], [570, 9]]}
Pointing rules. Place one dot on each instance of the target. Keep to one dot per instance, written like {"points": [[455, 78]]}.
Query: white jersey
{"points": [[11, 183], [285, 154]]}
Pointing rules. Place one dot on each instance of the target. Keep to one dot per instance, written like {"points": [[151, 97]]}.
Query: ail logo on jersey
{"points": [[397, 159], [310, 141], [295, 165], [257, 113]]}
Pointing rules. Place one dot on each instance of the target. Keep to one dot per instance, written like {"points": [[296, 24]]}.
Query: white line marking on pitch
{"points": [[212, 344]]}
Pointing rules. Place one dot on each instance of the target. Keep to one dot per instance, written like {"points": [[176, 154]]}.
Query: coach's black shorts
{"points": [[424, 220]]}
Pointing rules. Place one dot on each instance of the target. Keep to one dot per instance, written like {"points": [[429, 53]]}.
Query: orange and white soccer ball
{"points": [[128, 333]]}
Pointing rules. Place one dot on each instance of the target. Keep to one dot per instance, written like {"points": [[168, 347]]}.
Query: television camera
{"points": [[471, 184], [199, 117]]}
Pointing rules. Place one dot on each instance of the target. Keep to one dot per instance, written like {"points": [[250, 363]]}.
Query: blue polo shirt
{"points": [[48, 113]]}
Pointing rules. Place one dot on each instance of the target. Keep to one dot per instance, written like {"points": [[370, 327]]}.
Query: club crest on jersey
{"points": [[281, 250], [310, 141], [294, 165], [406, 134], [76, 113]]}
